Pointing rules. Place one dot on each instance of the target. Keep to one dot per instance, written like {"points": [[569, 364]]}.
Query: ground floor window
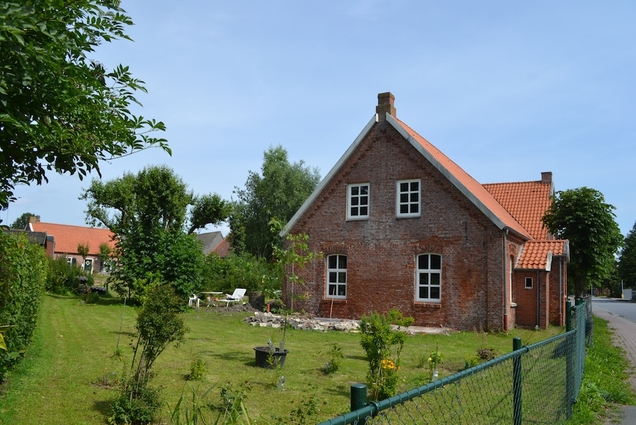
{"points": [[528, 283], [429, 278], [337, 276]]}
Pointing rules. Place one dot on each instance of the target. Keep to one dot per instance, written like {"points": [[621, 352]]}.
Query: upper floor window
{"points": [[337, 276], [408, 198], [429, 278], [358, 201]]}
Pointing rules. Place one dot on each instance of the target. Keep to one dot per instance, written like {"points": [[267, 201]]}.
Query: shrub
{"points": [[64, 278], [335, 359], [198, 369], [22, 276], [241, 271], [383, 347], [135, 406]]}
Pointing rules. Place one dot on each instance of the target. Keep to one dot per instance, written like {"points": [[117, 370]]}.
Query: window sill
{"points": [[428, 305], [335, 300], [513, 305]]}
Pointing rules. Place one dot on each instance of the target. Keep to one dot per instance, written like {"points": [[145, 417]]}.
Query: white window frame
{"points": [[526, 286], [428, 272], [399, 202], [72, 261], [356, 201], [335, 275]]}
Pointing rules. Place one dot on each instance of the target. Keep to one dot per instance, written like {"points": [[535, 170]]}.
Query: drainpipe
{"points": [[561, 289], [505, 280], [538, 298]]}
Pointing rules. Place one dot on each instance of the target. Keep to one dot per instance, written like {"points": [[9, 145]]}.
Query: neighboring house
{"points": [[401, 226], [214, 242], [63, 240]]}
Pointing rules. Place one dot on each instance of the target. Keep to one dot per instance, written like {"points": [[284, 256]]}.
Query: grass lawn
{"points": [[64, 376]]}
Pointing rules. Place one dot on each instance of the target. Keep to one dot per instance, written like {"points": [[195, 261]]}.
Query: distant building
{"points": [[214, 242], [62, 240]]}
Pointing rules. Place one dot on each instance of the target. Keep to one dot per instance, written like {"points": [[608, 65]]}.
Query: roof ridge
{"points": [[483, 199]]}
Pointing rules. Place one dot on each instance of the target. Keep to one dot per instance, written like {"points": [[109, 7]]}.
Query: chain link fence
{"points": [[535, 384]]}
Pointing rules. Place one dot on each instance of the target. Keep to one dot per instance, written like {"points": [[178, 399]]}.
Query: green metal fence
{"points": [[535, 384]]}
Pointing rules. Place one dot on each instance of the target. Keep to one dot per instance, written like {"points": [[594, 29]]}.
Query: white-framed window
{"points": [[358, 201], [337, 276], [408, 198], [429, 278], [71, 261], [528, 284]]}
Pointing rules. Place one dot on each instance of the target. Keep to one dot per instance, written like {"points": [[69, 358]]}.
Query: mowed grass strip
{"points": [[64, 377]]}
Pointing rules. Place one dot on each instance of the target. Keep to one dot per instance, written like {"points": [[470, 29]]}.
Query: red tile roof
{"points": [[223, 248], [67, 237], [537, 255], [466, 183], [527, 202]]}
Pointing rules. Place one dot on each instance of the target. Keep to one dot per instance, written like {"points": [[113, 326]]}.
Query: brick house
{"points": [[62, 241], [400, 225]]}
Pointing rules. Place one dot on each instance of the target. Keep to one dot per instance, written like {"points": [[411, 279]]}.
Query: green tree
{"points": [[22, 221], [276, 194], [627, 260], [584, 218], [59, 110], [148, 213], [208, 209]]}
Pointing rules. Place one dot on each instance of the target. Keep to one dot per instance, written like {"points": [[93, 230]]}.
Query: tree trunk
{"points": [[580, 286]]}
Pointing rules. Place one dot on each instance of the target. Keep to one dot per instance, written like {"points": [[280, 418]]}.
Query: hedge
{"points": [[22, 276]]}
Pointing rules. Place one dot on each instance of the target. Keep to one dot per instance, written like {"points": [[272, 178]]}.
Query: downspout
{"points": [[538, 298], [505, 280], [561, 289]]}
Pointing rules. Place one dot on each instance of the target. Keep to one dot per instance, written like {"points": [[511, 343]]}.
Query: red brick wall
{"points": [[381, 250]]}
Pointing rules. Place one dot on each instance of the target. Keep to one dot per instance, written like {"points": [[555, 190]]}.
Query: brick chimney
{"points": [[34, 219], [385, 105], [546, 177]]}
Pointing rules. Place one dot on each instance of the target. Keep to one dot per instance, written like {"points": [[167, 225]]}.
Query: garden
{"points": [[72, 371]]}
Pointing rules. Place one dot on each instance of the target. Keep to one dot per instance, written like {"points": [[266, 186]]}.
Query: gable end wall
{"points": [[381, 251]]}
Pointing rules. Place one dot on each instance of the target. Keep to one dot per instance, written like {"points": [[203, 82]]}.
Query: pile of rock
{"points": [[270, 320]]}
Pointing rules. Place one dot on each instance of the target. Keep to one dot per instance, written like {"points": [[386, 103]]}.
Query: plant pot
{"points": [[267, 361]]}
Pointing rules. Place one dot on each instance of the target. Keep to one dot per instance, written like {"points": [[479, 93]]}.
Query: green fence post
{"points": [[569, 362], [358, 399], [568, 316], [516, 383]]}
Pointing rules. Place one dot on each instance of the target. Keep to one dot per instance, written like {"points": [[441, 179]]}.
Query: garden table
{"points": [[209, 296]]}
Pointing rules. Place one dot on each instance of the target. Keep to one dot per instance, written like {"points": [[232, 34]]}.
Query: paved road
{"points": [[621, 316], [617, 307]]}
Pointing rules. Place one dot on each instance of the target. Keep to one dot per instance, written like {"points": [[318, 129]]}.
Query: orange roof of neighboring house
{"points": [[67, 237], [483, 199], [223, 248], [527, 202], [537, 255]]}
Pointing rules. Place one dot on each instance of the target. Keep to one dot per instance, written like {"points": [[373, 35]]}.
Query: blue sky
{"points": [[505, 89]]}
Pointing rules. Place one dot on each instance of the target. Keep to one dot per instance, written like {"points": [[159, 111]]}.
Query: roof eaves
{"points": [[451, 177], [329, 175]]}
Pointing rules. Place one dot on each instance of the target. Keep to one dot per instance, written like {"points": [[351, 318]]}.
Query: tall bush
{"points": [[383, 347], [158, 325], [22, 276], [240, 271], [63, 278]]}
